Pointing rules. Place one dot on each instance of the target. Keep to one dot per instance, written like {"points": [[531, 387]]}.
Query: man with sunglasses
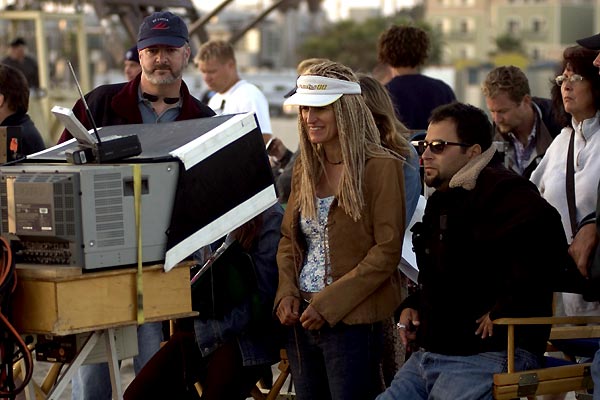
{"points": [[479, 218], [524, 123]]}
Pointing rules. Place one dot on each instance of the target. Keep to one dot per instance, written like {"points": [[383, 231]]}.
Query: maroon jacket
{"points": [[116, 104]]}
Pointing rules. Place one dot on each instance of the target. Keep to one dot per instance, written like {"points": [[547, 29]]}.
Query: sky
{"points": [[336, 9]]}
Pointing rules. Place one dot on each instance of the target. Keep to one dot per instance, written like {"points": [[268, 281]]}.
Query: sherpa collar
{"points": [[467, 176]]}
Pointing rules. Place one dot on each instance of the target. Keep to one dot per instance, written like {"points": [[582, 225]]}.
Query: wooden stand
{"points": [[63, 301]]}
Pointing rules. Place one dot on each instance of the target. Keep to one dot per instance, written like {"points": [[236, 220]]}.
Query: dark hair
{"points": [[580, 61], [403, 46], [18, 42], [13, 85], [472, 124]]}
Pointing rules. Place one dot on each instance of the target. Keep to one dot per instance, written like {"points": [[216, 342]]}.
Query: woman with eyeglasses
{"points": [[576, 102], [341, 241]]}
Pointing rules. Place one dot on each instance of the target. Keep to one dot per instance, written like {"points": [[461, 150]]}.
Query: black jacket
{"points": [[32, 141], [487, 249], [117, 104]]}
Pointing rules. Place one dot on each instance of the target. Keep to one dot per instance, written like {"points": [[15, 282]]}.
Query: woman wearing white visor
{"points": [[341, 240]]}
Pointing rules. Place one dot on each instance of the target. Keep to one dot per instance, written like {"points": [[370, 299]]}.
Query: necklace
{"points": [[332, 163]]}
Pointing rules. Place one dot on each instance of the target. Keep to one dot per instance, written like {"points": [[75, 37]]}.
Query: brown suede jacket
{"points": [[364, 254]]}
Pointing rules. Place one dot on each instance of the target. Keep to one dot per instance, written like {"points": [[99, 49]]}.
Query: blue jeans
{"points": [[339, 363], [436, 376], [92, 381], [596, 375]]}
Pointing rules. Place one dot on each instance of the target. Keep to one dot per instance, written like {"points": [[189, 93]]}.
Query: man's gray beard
{"points": [[162, 81]]}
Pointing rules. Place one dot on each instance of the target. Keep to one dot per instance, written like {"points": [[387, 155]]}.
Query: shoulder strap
{"points": [[570, 184]]}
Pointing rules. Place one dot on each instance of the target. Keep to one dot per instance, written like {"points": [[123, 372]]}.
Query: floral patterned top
{"points": [[315, 270]]}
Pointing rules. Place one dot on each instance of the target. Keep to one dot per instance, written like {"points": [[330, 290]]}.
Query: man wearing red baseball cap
{"points": [[156, 95]]}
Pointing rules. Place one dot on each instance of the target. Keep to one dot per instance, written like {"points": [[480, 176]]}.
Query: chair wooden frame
{"points": [[552, 380], [272, 394]]}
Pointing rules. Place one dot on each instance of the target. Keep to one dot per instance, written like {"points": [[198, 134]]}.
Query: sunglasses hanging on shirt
{"points": [[153, 99]]}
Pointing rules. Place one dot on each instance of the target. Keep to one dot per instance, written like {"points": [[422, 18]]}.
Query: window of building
{"points": [[537, 25], [513, 26]]}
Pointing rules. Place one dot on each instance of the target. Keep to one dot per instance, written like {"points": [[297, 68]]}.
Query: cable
{"points": [[12, 346]]}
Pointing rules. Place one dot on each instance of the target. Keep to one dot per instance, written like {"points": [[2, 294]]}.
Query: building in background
{"points": [[543, 27]]}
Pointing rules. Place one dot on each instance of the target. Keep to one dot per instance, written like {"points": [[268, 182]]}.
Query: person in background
{"points": [[524, 123], [405, 49], [156, 95], [593, 43], [576, 100], [465, 282], [217, 63], [19, 59], [341, 241], [394, 136], [131, 63], [14, 103], [226, 356]]}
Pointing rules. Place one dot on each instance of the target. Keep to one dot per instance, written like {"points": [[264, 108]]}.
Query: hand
{"points": [[409, 320], [277, 149], [311, 319], [486, 326], [287, 310], [583, 245]]}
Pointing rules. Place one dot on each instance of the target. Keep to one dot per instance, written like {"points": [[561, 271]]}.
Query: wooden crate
{"points": [[61, 303]]}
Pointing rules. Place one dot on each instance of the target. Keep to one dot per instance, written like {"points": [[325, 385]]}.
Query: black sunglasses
{"points": [[436, 146]]}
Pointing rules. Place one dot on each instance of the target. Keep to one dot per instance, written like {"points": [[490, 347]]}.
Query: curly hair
{"points": [[394, 135], [403, 46], [506, 79], [359, 140], [579, 60]]}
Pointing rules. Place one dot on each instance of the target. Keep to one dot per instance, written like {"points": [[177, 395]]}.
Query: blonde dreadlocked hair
{"points": [[359, 140]]}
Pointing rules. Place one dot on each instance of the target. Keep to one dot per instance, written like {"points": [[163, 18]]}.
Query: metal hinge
{"points": [[528, 384], [587, 378]]}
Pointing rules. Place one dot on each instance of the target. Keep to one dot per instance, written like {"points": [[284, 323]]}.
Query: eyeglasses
{"points": [[436, 146], [563, 78]]}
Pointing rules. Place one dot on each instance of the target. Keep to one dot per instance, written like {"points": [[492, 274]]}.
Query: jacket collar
{"points": [[15, 119], [121, 103], [466, 177]]}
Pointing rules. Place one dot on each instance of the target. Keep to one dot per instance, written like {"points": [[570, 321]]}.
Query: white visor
{"points": [[319, 91]]}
